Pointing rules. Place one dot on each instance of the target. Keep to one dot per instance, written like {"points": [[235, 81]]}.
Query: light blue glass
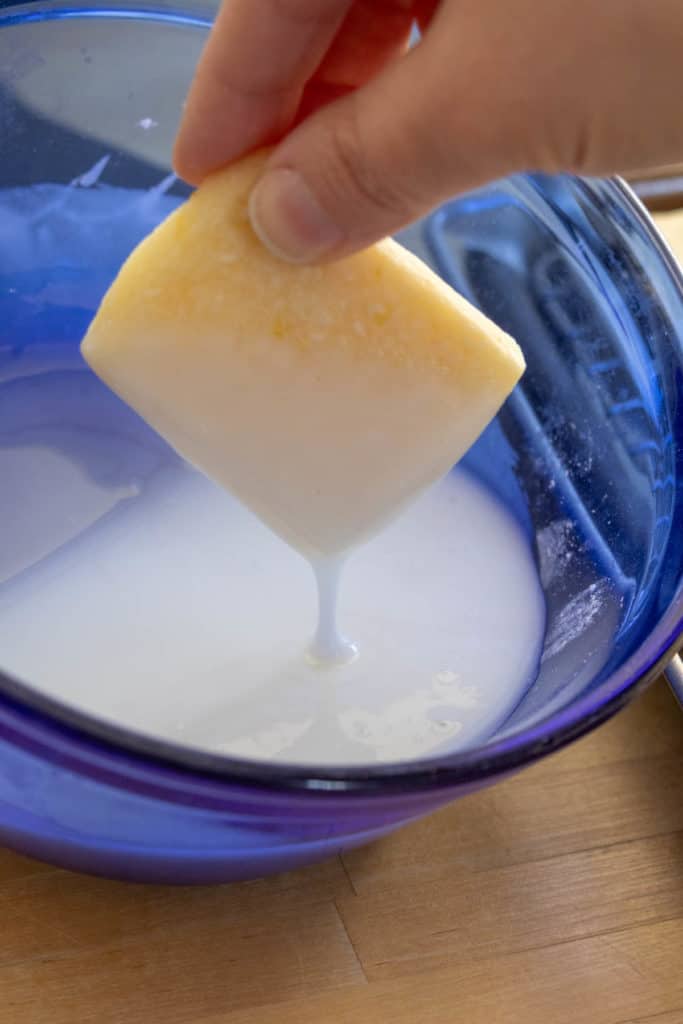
{"points": [[588, 453]]}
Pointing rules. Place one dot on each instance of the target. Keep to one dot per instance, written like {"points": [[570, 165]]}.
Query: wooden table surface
{"points": [[554, 897]]}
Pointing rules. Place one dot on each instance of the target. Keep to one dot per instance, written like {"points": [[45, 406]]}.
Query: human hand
{"points": [[372, 135]]}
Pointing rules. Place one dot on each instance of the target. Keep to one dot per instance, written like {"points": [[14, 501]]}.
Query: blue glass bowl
{"points": [[588, 454]]}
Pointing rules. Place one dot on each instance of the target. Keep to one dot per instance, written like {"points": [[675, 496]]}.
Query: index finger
{"points": [[250, 77]]}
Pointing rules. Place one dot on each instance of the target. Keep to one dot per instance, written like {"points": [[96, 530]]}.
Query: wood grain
{"points": [[555, 897]]}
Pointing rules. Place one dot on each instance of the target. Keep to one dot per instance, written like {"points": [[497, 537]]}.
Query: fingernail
{"points": [[288, 218]]}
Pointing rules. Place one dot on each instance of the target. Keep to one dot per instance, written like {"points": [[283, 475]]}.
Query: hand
{"points": [[372, 135]]}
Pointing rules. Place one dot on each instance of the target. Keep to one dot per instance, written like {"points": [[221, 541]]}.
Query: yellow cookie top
{"points": [[324, 397], [382, 303]]}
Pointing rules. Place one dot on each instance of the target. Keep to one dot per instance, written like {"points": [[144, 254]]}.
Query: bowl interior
{"points": [[587, 452]]}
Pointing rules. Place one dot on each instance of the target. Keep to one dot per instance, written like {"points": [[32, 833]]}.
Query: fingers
{"points": [[492, 89], [250, 77], [372, 161], [373, 33]]}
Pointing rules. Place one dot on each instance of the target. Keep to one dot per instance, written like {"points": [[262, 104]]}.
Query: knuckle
{"points": [[570, 149], [582, 157], [361, 173]]}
